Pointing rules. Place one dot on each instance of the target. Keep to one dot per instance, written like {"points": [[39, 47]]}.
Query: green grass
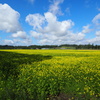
{"points": [[49, 75]]}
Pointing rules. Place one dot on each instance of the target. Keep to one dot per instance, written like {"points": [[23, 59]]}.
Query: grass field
{"points": [[49, 75]]}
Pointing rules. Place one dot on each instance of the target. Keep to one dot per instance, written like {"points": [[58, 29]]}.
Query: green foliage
{"points": [[63, 46], [63, 75]]}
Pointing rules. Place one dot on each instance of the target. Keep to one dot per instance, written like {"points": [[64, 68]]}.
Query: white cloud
{"points": [[35, 34], [47, 29], [9, 19], [32, 1], [86, 29], [77, 37], [16, 42], [68, 10], [98, 8], [97, 33], [55, 8], [95, 40], [8, 42], [26, 41], [22, 42], [45, 41], [96, 19], [70, 38], [54, 31], [58, 28], [35, 20], [20, 34], [9, 22], [21, 38], [52, 25]]}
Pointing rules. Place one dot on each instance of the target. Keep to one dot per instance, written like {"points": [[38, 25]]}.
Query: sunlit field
{"points": [[49, 75]]}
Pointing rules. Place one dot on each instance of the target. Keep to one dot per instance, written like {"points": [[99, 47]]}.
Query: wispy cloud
{"points": [[31, 1], [68, 11], [96, 20], [55, 8], [98, 9]]}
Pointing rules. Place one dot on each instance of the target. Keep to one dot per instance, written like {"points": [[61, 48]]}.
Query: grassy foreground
{"points": [[49, 75]]}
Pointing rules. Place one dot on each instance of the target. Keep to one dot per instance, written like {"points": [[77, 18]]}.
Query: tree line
{"points": [[63, 46]]}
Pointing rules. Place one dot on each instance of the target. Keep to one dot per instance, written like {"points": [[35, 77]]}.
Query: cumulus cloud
{"points": [[20, 34], [26, 41], [95, 30], [55, 31], [86, 29], [22, 42], [77, 37], [70, 38], [97, 33], [9, 19], [9, 23], [96, 19], [95, 40], [8, 42], [16, 42], [35, 34], [21, 37], [55, 8], [56, 27], [35, 20], [47, 28]]}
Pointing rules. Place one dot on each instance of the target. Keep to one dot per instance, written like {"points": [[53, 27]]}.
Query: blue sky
{"points": [[48, 22]]}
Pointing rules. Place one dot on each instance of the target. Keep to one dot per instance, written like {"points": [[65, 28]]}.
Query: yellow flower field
{"points": [[50, 75]]}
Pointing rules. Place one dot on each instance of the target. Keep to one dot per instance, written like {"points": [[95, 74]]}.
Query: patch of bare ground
{"points": [[61, 96]]}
